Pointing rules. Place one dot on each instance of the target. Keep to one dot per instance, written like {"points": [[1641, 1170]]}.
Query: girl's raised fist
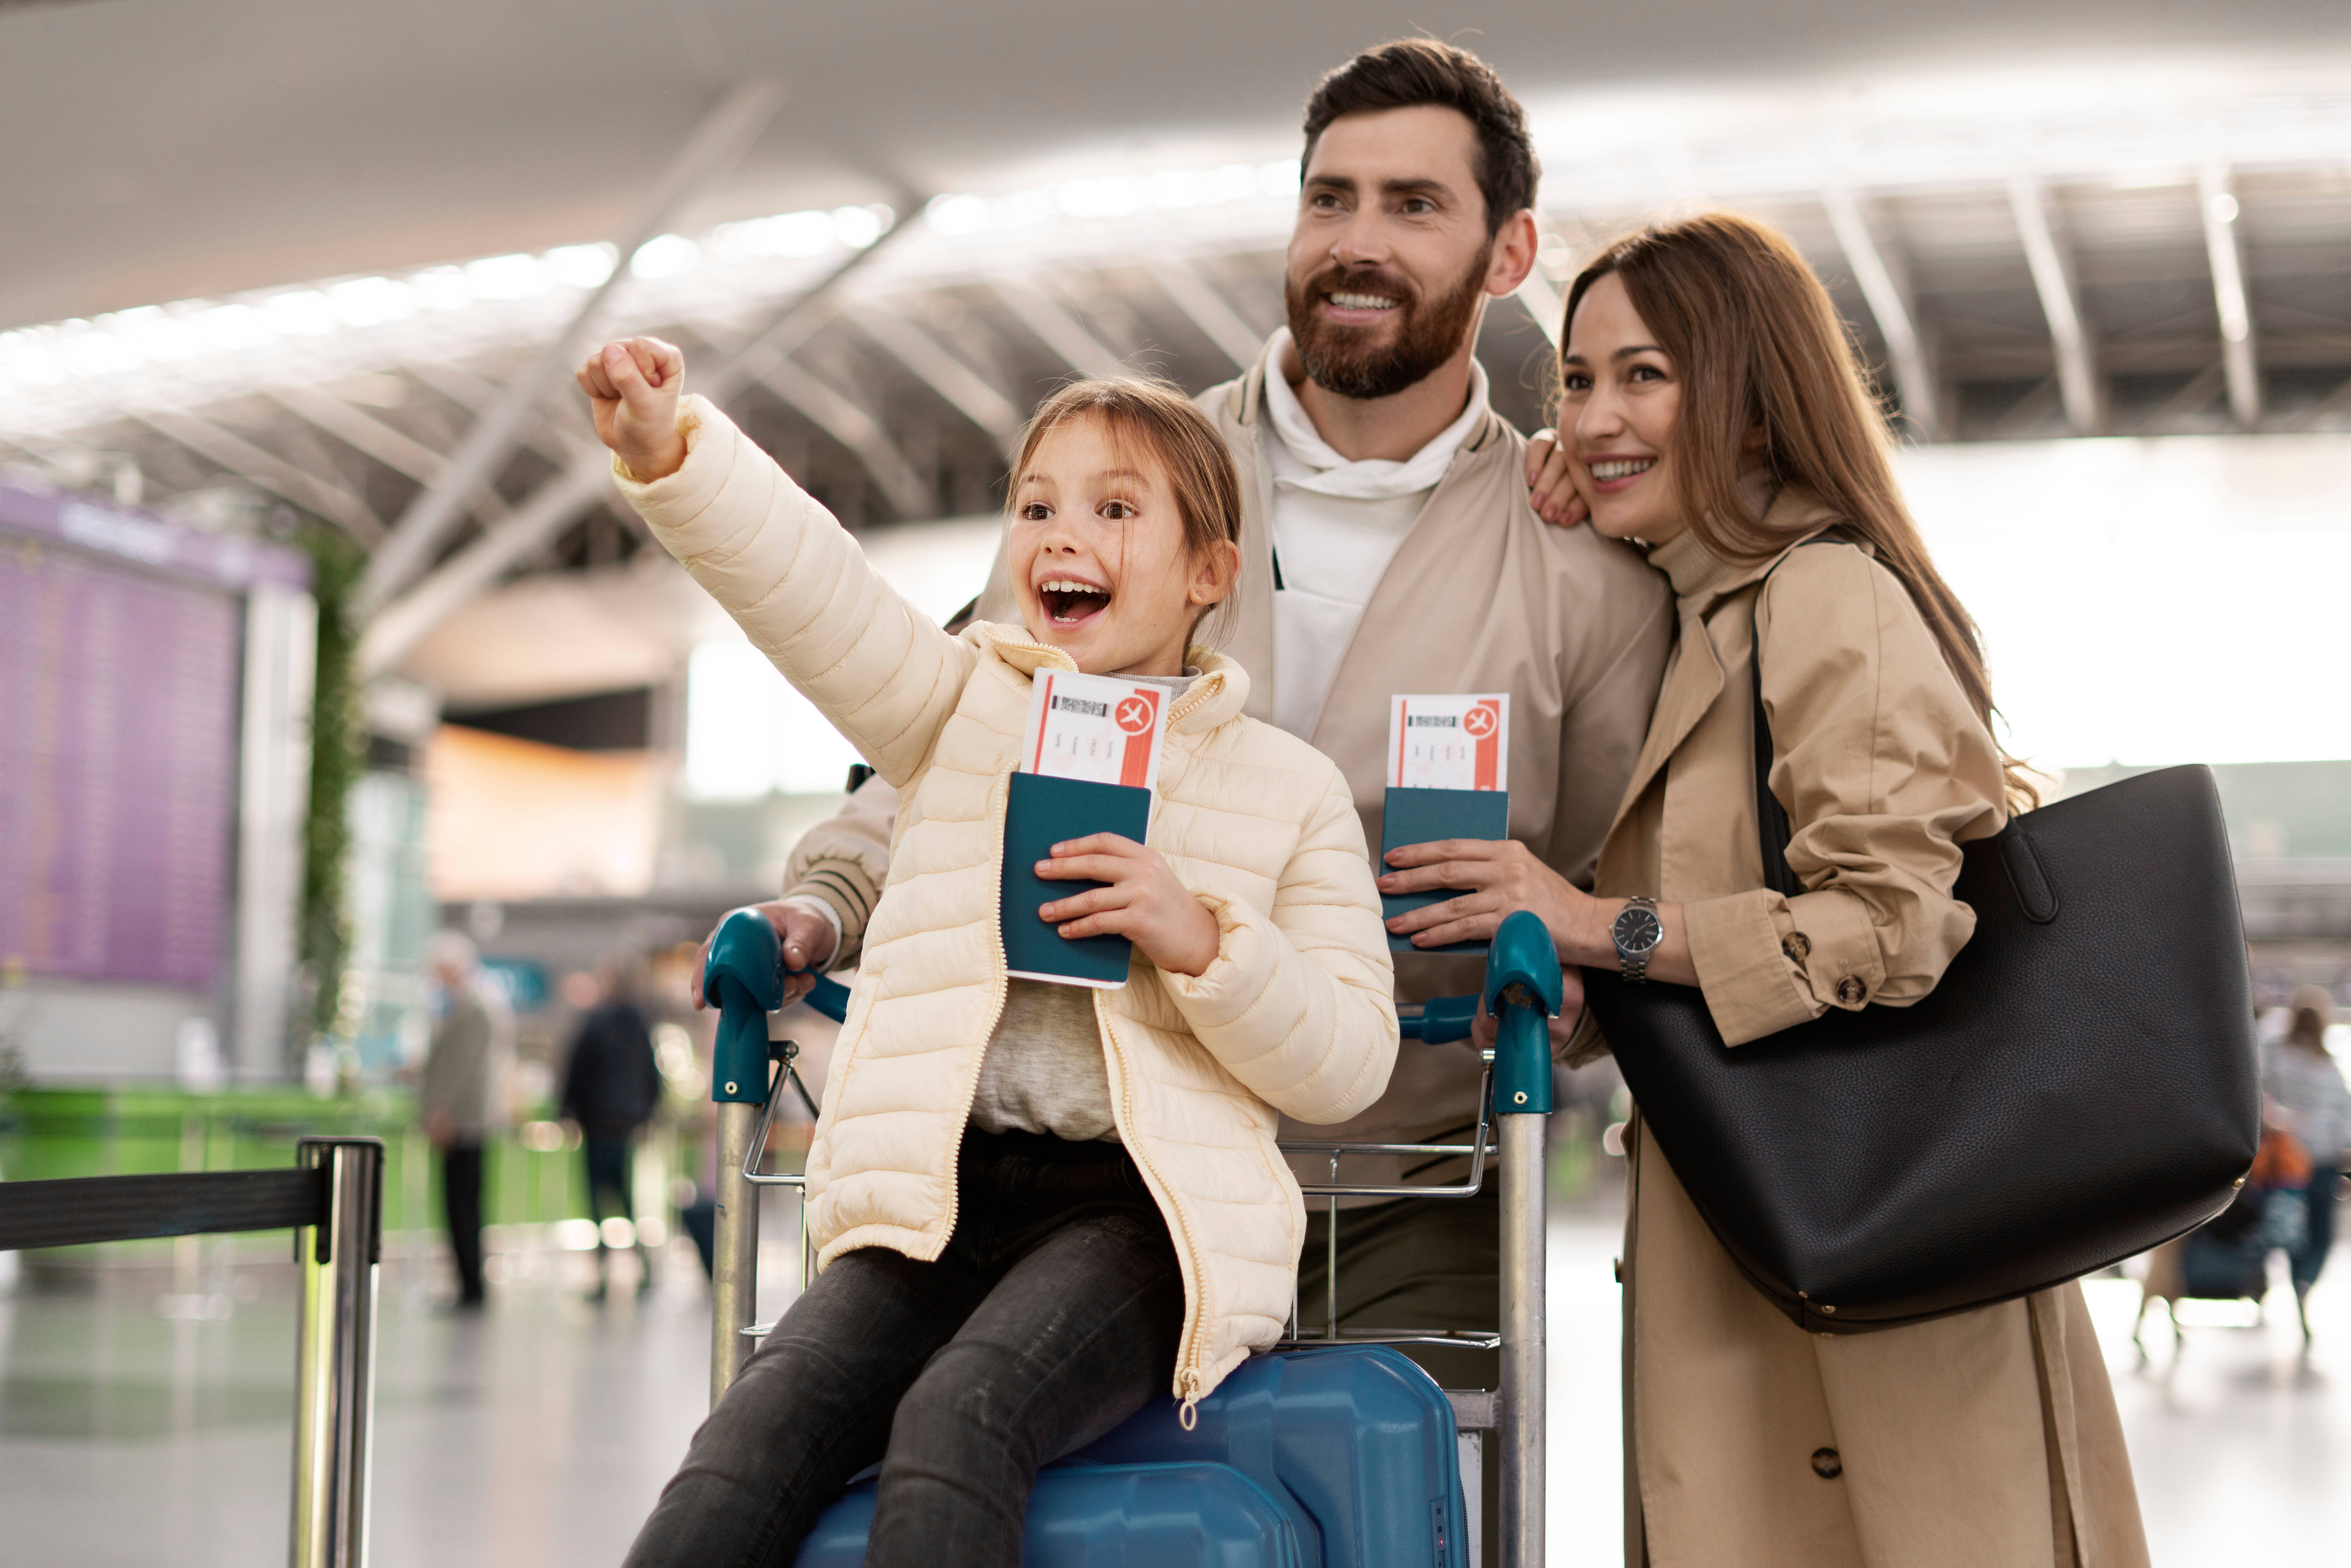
{"points": [[633, 388]]}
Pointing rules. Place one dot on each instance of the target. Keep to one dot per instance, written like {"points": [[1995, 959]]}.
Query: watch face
{"points": [[1637, 930]]}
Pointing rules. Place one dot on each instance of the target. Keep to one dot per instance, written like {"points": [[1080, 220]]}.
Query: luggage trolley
{"points": [[1330, 1449]]}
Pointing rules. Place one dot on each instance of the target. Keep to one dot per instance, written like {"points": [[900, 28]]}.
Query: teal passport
{"points": [[1422, 816], [1043, 811]]}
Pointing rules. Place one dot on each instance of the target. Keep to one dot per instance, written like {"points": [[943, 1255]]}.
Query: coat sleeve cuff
{"points": [[1832, 943], [1749, 982], [1247, 956], [847, 895], [676, 499], [818, 907]]}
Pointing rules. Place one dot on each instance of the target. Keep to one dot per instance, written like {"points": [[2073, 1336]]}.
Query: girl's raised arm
{"points": [[875, 666]]}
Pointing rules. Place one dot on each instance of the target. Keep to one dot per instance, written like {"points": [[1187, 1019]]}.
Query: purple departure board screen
{"points": [[119, 708]]}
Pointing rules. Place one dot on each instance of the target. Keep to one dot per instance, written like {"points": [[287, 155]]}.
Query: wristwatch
{"points": [[1637, 932]]}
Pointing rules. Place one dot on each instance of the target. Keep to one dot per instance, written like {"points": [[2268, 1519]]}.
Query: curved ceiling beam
{"points": [[725, 134]]}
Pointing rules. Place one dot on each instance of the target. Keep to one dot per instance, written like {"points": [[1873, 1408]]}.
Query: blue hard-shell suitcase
{"points": [[1358, 1437], [1113, 1516]]}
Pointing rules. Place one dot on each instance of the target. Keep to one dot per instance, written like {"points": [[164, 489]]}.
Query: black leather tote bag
{"points": [[2080, 1086]]}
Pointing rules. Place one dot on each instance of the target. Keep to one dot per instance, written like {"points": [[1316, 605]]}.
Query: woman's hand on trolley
{"points": [[632, 389], [1489, 878], [1144, 903]]}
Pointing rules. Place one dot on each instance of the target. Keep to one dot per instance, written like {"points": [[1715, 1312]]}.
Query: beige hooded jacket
{"points": [[1293, 1017]]}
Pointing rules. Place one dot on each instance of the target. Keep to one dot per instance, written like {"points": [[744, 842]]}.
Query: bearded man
{"points": [[1389, 546]]}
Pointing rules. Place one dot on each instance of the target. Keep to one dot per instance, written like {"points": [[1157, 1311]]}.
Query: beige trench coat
{"points": [[1482, 596], [1989, 1439]]}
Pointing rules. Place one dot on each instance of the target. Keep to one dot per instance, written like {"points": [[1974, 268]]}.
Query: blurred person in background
{"points": [[1389, 546], [2305, 1096], [612, 1087], [1714, 408], [2285, 1201], [461, 1094]]}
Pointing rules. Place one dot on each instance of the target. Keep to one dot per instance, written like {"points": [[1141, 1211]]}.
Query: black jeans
{"points": [[607, 1194], [1052, 1316], [608, 1177], [460, 1202]]}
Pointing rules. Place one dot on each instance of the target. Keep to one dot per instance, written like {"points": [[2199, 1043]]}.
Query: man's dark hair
{"points": [[1414, 73]]}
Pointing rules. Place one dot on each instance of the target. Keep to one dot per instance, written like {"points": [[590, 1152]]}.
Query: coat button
{"points": [[1798, 946], [1851, 992], [1827, 1464]]}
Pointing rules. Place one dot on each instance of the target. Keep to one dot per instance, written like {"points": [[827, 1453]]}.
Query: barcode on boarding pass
{"points": [[1097, 727]]}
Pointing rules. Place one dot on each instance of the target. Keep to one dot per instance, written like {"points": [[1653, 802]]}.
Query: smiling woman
{"points": [[1713, 409]]}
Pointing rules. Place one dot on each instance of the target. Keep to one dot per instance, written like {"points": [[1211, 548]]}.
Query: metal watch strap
{"points": [[1636, 966]]}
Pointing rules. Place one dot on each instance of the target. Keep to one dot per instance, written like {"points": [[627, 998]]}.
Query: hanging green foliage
{"points": [[337, 753]]}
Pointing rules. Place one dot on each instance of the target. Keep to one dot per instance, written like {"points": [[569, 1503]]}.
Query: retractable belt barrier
{"points": [[332, 1198], [752, 1065]]}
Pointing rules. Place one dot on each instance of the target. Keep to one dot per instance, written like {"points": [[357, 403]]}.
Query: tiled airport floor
{"points": [[537, 1434]]}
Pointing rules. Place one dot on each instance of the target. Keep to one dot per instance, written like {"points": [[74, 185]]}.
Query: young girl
{"points": [[1035, 1206]]}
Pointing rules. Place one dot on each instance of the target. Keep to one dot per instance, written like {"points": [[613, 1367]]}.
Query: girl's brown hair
{"points": [[1773, 376], [1145, 414]]}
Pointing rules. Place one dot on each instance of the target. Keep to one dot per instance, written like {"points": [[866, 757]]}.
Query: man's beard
{"points": [[1344, 360]]}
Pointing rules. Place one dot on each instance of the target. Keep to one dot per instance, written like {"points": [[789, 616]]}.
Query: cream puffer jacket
{"points": [[1294, 1015]]}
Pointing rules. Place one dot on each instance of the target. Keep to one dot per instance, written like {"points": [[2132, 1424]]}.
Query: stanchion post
{"points": [[1523, 991], [334, 1365]]}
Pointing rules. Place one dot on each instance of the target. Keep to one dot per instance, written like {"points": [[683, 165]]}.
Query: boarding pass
{"points": [[1096, 727], [1449, 741]]}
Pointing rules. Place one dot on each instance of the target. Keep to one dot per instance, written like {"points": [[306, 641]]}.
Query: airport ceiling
{"points": [[271, 253], [158, 149]]}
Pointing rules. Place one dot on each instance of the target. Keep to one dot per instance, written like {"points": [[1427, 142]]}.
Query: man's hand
{"points": [[1483, 1028], [439, 1129], [1143, 903], [1549, 483], [807, 939], [632, 389], [1491, 877]]}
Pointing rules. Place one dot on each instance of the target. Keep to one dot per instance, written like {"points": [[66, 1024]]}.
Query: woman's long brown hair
{"points": [[1771, 375]]}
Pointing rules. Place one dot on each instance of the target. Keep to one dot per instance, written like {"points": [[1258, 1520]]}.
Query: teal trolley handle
{"points": [[827, 995], [745, 976], [1523, 991], [1440, 1020]]}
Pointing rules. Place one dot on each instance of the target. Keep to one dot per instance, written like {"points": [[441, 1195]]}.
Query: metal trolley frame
{"points": [[753, 1064]]}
